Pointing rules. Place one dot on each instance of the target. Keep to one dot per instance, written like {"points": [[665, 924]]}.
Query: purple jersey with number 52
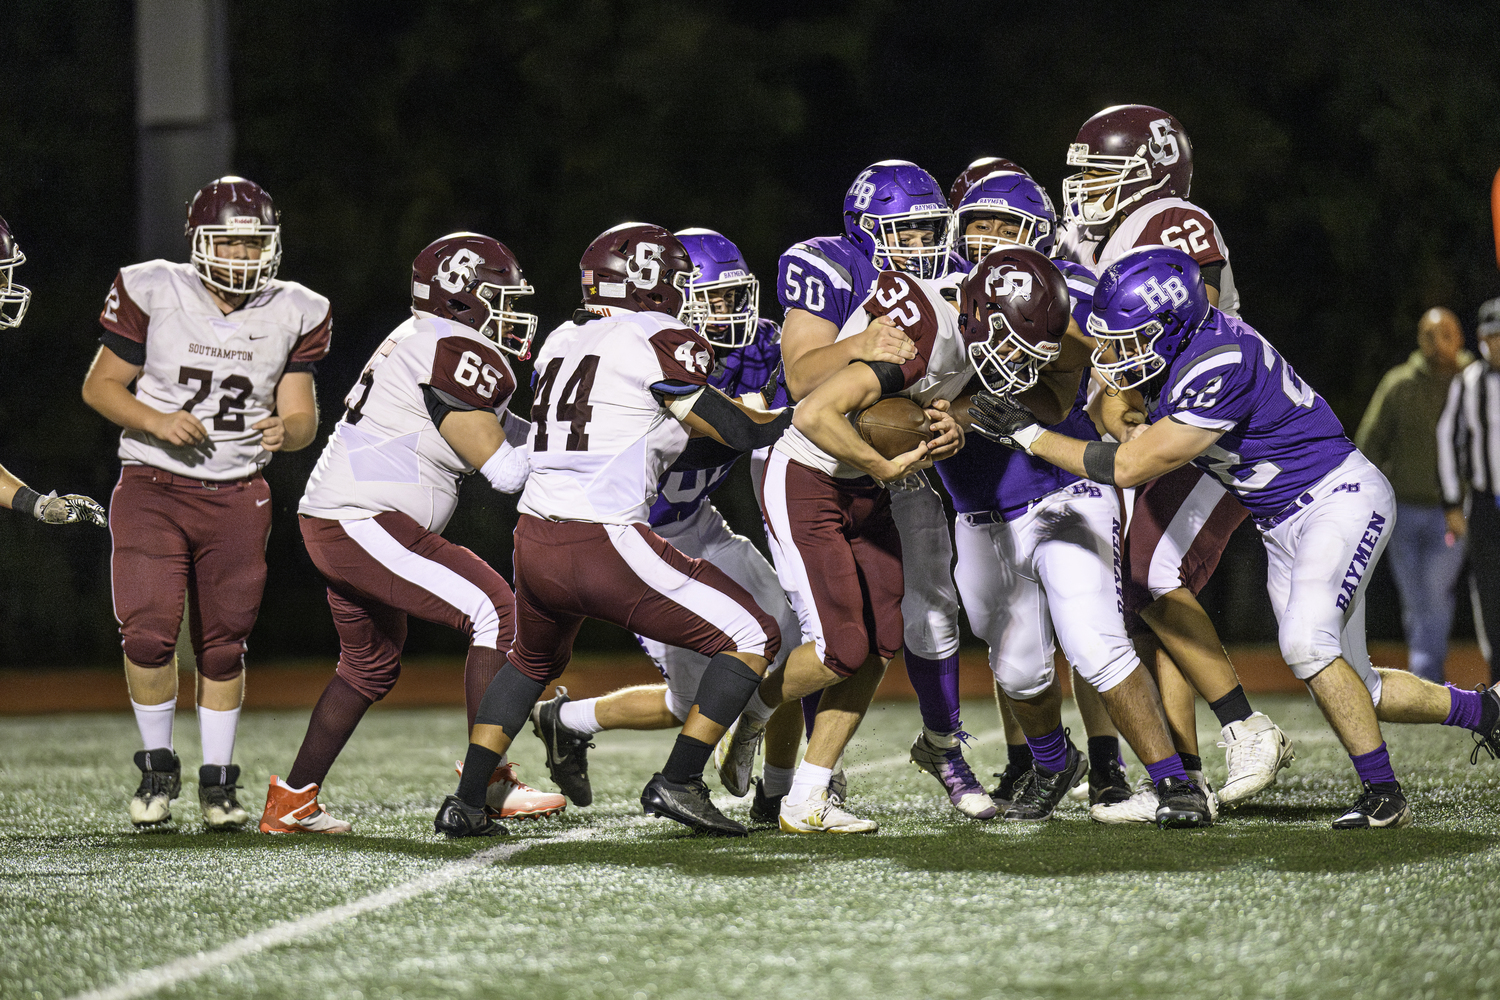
{"points": [[1280, 437], [751, 368]]}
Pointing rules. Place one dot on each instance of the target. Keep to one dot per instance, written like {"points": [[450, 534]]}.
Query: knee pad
{"points": [[1304, 650], [222, 663], [507, 702], [372, 684], [149, 650], [725, 689]]}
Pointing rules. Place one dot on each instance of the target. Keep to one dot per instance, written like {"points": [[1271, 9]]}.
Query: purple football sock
{"points": [[810, 704], [1050, 751], [936, 684], [1375, 766], [1167, 767], [1467, 708]]}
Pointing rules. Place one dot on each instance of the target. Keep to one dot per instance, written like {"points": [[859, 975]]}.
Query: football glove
{"points": [[1003, 420], [67, 509]]}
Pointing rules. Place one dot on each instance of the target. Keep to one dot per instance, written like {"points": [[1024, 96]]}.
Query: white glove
{"points": [[507, 468]]}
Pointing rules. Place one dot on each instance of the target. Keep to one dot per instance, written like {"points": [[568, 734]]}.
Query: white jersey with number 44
{"points": [[601, 437]]}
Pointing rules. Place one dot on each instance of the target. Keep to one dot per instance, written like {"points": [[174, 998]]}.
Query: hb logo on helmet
{"points": [[862, 190], [458, 270], [1156, 294], [1010, 282]]}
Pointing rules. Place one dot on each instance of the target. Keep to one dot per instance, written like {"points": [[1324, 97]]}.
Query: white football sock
{"points": [[217, 730], [155, 723], [757, 711], [579, 716], [777, 780], [942, 741], [808, 779]]}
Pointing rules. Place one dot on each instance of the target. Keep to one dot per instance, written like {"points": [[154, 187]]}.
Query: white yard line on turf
{"points": [[148, 981]]}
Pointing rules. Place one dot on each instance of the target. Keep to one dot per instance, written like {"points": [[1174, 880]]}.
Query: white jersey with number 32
{"points": [[600, 437]]}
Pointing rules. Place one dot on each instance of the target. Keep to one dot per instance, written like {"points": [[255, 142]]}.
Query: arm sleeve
{"points": [[312, 346], [1452, 447], [734, 425], [517, 429]]}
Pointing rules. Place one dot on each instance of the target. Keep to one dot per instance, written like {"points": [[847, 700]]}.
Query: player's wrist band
{"points": [[27, 500], [1026, 436], [1099, 461]]}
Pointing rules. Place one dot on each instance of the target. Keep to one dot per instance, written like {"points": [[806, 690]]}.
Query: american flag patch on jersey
{"points": [[588, 276]]}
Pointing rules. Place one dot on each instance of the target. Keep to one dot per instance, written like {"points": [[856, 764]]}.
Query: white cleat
{"points": [[1139, 808], [819, 815], [734, 755], [1254, 750], [508, 797], [296, 810]]}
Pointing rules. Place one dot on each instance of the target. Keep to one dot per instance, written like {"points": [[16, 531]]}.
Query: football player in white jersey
{"points": [[221, 353], [1135, 168], [429, 408], [14, 494], [620, 388]]}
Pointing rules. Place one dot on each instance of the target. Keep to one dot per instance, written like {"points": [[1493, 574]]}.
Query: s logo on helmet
{"points": [[1008, 283], [1163, 145], [458, 270], [862, 190], [644, 269], [1157, 294]]}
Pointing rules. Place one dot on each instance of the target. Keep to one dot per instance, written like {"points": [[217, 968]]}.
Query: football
{"points": [[893, 426]]}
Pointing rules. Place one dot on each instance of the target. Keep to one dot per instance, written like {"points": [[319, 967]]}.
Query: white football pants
{"points": [[930, 608]]}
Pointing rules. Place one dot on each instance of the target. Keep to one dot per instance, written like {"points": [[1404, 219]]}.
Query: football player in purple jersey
{"points": [[14, 494], [1223, 399], [724, 306], [896, 217]]}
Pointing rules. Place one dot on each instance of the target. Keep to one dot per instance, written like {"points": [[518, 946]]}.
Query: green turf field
{"points": [[604, 903]]}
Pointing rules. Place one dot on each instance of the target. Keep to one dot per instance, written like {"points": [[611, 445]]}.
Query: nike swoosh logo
{"points": [[261, 337], [262, 503]]}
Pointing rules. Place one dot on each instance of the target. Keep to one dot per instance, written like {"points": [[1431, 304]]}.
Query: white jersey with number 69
{"points": [[600, 436]]}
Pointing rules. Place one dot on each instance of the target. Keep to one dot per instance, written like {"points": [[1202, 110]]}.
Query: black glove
{"points": [[1003, 420]]}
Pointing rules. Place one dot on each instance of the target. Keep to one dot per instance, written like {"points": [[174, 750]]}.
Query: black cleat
{"points": [[1004, 793], [1375, 809], [1038, 794], [689, 805], [765, 808], [161, 781], [1489, 740], [1181, 804], [567, 749], [456, 818], [216, 786], [1107, 784]]}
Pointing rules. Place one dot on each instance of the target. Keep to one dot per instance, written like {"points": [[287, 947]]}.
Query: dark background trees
{"points": [[1345, 149]]}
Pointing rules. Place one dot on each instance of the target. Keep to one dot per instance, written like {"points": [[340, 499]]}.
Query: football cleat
{"points": [[1488, 741], [765, 808], [1201, 780], [508, 797], [1254, 750], [1181, 804], [1039, 793], [1374, 810], [689, 805], [161, 780], [216, 785], [819, 814], [1107, 783], [1139, 808], [567, 749], [734, 755], [296, 810], [456, 818], [1005, 792], [948, 766]]}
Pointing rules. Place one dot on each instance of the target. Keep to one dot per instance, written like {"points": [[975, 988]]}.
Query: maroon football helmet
{"points": [[1013, 312], [636, 267], [474, 280], [234, 214], [1126, 155], [978, 171], [14, 298]]}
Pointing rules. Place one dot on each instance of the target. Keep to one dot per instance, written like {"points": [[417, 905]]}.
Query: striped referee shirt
{"points": [[1468, 434]]}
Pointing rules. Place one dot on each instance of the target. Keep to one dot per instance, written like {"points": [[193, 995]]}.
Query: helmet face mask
{"points": [[1146, 305], [511, 330], [1004, 209], [917, 242], [1126, 155], [475, 280], [236, 236], [1006, 362], [727, 311], [14, 298], [1135, 360]]}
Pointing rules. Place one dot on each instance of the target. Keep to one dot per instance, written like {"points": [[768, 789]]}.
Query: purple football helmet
{"points": [[723, 297], [898, 216], [1005, 199], [14, 298], [1127, 154], [978, 171], [1146, 306]]}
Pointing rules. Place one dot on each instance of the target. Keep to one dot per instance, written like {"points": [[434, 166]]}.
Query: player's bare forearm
{"points": [[1051, 399], [9, 483], [297, 406], [1162, 447], [474, 434], [1114, 413], [823, 418], [814, 355]]}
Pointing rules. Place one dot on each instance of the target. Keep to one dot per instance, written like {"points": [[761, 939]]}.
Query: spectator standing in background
{"points": [[1397, 435], [1468, 455]]}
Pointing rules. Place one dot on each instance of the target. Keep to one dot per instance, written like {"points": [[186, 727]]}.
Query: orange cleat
{"points": [[510, 798], [296, 810]]}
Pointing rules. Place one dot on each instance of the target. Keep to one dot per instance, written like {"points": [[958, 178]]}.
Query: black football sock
{"points": [[479, 766], [333, 721], [1102, 749], [1233, 707], [1020, 755], [1191, 762], [688, 759]]}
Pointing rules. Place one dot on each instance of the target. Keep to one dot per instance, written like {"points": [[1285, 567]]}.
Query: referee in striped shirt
{"points": [[1468, 440]]}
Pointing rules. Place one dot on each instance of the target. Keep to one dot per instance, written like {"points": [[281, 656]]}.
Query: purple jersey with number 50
{"points": [[751, 368], [1280, 437], [828, 276]]}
